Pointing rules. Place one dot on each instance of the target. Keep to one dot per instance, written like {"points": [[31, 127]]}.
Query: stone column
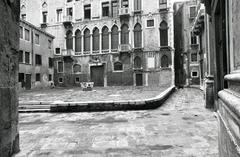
{"points": [[100, 42], [73, 37], [91, 43], [9, 46], [82, 44], [110, 43], [119, 37]]}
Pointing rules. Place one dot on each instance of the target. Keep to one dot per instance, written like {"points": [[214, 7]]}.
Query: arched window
{"points": [[114, 37], [76, 68], [118, 66], [137, 63], [23, 9], [124, 34], [164, 61], [69, 40], [87, 40], [163, 33], [105, 38], [44, 5], [78, 41], [137, 35], [95, 39]]}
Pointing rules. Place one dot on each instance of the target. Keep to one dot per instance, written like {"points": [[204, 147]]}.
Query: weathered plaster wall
{"points": [[9, 44]]}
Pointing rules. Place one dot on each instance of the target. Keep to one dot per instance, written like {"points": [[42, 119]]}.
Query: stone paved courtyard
{"points": [[97, 94], [182, 127]]}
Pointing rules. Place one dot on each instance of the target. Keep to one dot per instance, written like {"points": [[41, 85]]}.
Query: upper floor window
{"points": [[69, 40], [59, 15], [23, 16], [150, 23], [38, 59], [21, 32], [50, 62], [124, 3], [193, 39], [69, 12], [105, 9], [87, 40], [137, 5], [194, 57], [69, 0], [87, 11], [114, 37], [114, 9], [20, 56], [57, 51], [76, 68], [137, 35], [164, 61], [137, 62], [44, 16], [163, 33], [36, 38], [27, 34], [38, 77], [118, 66], [60, 67], [27, 57], [78, 40], [95, 37], [192, 12], [124, 34], [162, 1], [105, 38]]}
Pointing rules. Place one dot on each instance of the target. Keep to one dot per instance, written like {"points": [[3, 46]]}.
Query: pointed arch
{"points": [[95, 39], [124, 34], [69, 40], [137, 62], [114, 37], [163, 33], [164, 61], [137, 35], [78, 39], [87, 39], [105, 38]]}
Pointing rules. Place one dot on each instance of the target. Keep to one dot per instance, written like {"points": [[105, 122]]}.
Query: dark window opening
{"points": [[69, 40], [27, 35], [137, 36], [49, 44], [60, 67], [114, 37], [60, 80], [69, 11], [95, 39], [21, 32], [78, 41], [87, 11], [125, 34], [118, 66], [77, 79], [105, 38], [193, 39], [164, 61], [36, 39], [192, 12], [50, 77], [194, 74], [23, 16], [125, 3], [38, 77], [150, 23], [137, 63], [194, 57], [20, 56], [27, 57], [44, 17], [163, 1], [50, 62], [87, 40], [57, 51], [76, 68], [163, 33], [105, 9], [38, 59], [137, 5], [114, 9]]}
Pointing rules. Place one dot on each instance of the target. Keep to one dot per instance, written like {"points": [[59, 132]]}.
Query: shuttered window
{"points": [[69, 40], [124, 34], [137, 62], [137, 35], [87, 40], [137, 5], [105, 38], [78, 41], [114, 37], [114, 9], [96, 39], [163, 34], [164, 61]]}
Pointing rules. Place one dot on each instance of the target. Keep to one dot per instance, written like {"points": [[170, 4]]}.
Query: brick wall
{"points": [[9, 44]]}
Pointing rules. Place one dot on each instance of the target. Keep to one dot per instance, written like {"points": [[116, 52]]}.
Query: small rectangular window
{"points": [[194, 73], [23, 16], [163, 1], [114, 9], [49, 44], [193, 39], [69, 12], [87, 11], [50, 62], [124, 3], [194, 57], [50, 77], [27, 57], [105, 9], [150, 23], [192, 11], [37, 39], [20, 56], [57, 51], [38, 59], [44, 16], [27, 35], [21, 32], [59, 15], [69, 0], [60, 67], [60, 80], [38, 77], [77, 80]]}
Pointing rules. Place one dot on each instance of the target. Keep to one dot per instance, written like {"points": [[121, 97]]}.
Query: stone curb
{"points": [[91, 106]]}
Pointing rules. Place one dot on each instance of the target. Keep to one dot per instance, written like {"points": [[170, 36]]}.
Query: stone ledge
{"points": [[112, 105], [235, 77]]}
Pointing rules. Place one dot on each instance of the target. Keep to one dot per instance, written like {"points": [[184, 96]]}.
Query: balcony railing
{"points": [[124, 48], [163, 7], [124, 12], [67, 21], [67, 52]]}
